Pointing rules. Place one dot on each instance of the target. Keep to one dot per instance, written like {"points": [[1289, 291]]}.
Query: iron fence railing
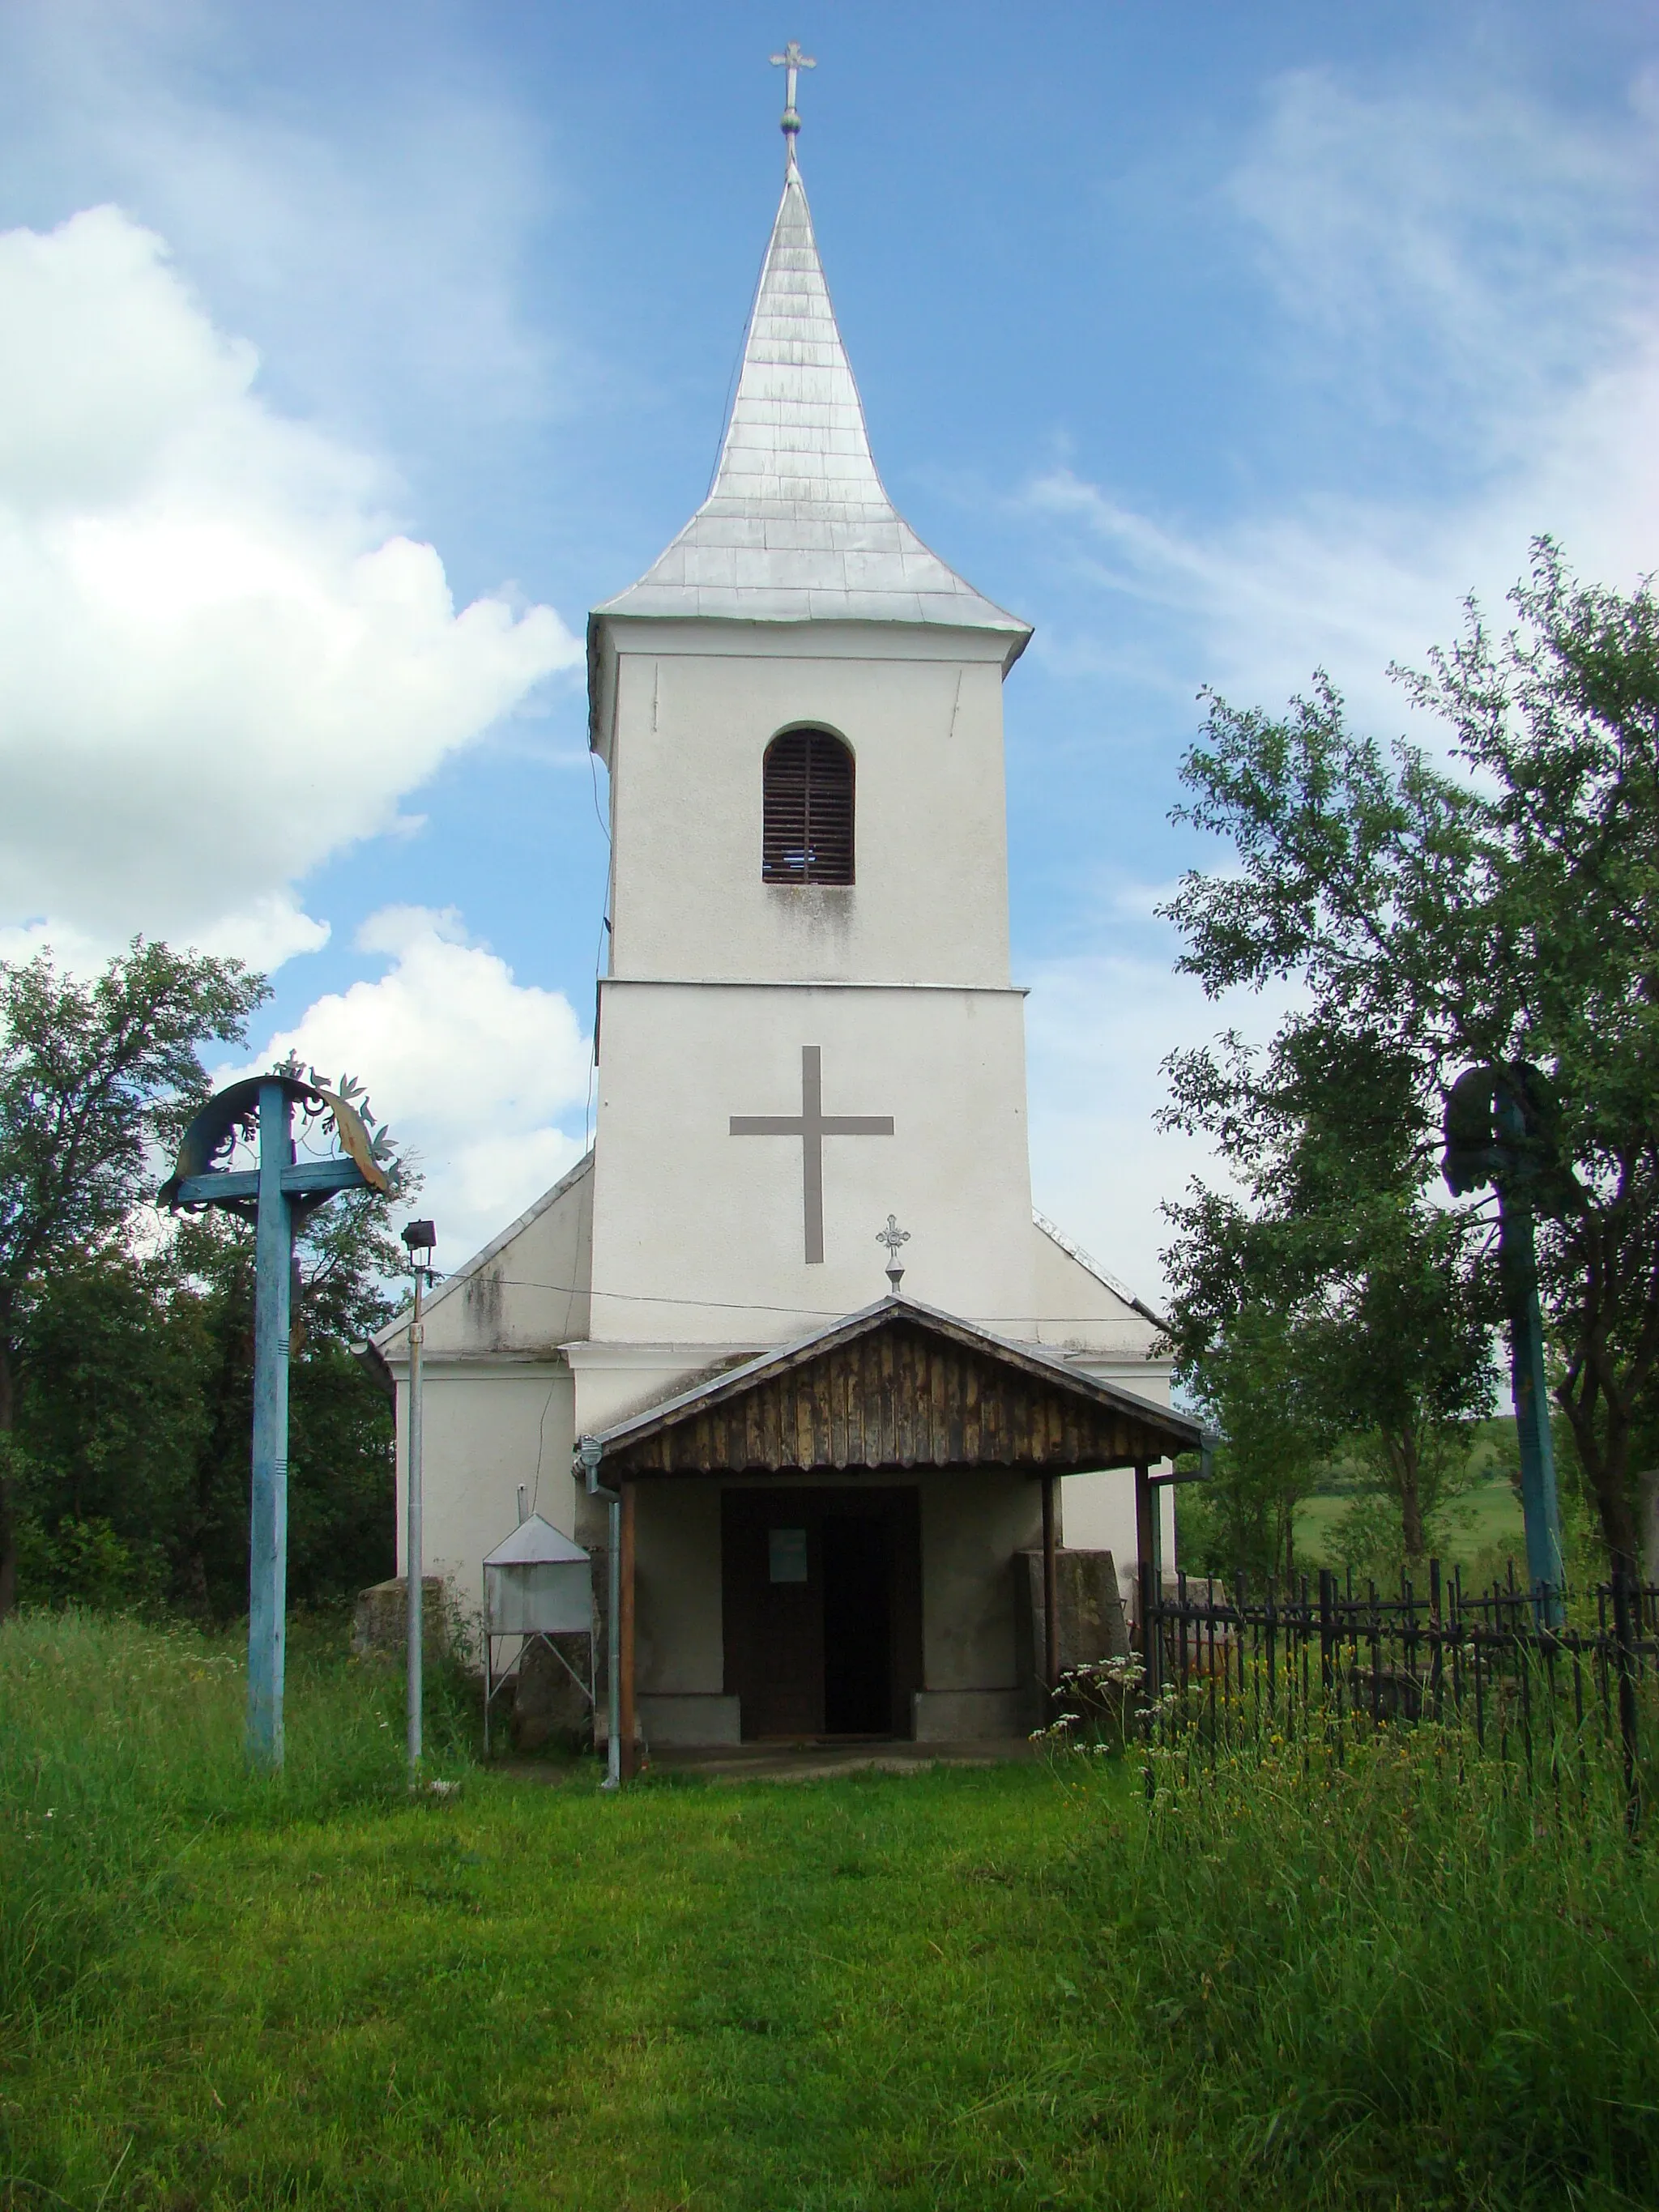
{"points": [[1227, 1665]]}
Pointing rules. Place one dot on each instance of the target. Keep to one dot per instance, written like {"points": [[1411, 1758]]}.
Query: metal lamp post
{"points": [[420, 1237]]}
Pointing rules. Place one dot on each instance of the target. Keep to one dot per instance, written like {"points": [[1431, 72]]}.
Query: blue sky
{"points": [[1220, 341]]}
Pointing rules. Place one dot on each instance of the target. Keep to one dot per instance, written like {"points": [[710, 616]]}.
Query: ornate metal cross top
{"points": [[791, 61], [895, 1239], [812, 1125]]}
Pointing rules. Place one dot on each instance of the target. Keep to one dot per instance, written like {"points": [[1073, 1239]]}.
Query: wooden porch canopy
{"points": [[900, 1385]]}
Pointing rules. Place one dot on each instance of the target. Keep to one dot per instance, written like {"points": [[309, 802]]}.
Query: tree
{"points": [[133, 1385], [95, 1078], [110, 1422], [1384, 1336], [341, 1484], [1434, 921], [1273, 1442]]}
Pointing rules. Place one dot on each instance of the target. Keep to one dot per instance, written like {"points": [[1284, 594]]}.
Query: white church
{"points": [[836, 1503]]}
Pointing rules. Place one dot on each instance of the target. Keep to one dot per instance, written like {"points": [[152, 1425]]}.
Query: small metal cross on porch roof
{"points": [[792, 61], [812, 1125], [895, 1239]]}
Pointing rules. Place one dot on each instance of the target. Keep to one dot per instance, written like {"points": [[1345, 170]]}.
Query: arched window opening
{"points": [[807, 833]]}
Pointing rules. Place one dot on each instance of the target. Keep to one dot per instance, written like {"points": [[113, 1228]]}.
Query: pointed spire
{"points": [[796, 440], [798, 526]]}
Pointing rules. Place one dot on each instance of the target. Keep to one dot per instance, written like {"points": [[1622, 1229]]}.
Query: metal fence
{"points": [[1228, 1665]]}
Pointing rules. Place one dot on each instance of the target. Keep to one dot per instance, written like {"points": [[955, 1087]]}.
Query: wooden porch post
{"points": [[1149, 1548], [1050, 1586], [625, 1612]]}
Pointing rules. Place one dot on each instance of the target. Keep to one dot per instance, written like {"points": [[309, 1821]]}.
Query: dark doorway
{"points": [[821, 1606], [858, 1640]]}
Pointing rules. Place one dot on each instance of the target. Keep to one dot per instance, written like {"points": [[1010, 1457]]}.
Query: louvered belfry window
{"points": [[807, 836]]}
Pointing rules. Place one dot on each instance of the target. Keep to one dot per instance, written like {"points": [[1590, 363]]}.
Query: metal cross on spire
{"points": [[792, 61]]}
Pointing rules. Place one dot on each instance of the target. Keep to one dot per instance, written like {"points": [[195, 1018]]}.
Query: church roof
{"points": [[798, 526]]}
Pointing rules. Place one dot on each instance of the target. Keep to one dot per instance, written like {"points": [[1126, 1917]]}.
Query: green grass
{"points": [[1479, 1530], [1004, 1988]]}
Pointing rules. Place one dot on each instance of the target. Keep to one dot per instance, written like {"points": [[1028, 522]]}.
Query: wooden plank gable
{"points": [[900, 1395]]}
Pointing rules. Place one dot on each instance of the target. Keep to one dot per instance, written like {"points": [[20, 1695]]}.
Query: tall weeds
{"points": [[121, 1743], [1402, 1979]]}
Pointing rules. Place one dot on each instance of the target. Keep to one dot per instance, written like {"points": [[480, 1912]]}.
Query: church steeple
{"points": [[798, 526]]}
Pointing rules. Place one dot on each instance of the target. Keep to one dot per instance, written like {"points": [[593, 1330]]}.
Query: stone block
{"points": [[379, 1620], [1200, 1589], [1092, 1622]]}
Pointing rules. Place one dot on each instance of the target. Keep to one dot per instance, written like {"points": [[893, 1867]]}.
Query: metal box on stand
{"points": [[537, 1585]]}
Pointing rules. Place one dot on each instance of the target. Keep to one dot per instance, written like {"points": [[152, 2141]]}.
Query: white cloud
{"points": [[1098, 1028], [1463, 251], [1468, 326], [385, 218], [218, 663], [473, 1071]]}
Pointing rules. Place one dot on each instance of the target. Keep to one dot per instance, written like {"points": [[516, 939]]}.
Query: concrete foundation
{"points": [[967, 1716]]}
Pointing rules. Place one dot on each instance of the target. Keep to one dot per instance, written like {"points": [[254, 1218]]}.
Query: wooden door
{"points": [[822, 1607], [773, 1590]]}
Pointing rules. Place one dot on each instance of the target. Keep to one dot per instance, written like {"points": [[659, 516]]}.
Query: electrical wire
{"points": [[541, 1437], [748, 1305]]}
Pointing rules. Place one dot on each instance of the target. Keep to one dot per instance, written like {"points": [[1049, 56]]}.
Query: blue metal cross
{"points": [[276, 1195], [1501, 1129]]}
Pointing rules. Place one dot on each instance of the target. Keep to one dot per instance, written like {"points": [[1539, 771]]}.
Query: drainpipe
{"points": [[589, 1457]]}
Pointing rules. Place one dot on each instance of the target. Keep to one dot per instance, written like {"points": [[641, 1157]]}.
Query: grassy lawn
{"points": [[1482, 1526], [828, 1995], [1007, 1987]]}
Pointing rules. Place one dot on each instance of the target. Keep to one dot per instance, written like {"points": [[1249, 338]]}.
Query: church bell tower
{"points": [[807, 1022]]}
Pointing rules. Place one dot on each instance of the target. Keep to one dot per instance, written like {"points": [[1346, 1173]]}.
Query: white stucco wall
{"points": [[694, 706], [698, 1233], [679, 1639], [971, 1526], [488, 1426], [679, 1246], [1098, 1514], [526, 1291]]}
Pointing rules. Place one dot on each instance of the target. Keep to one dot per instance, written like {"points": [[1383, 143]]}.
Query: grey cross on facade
{"points": [[812, 1125], [791, 61]]}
